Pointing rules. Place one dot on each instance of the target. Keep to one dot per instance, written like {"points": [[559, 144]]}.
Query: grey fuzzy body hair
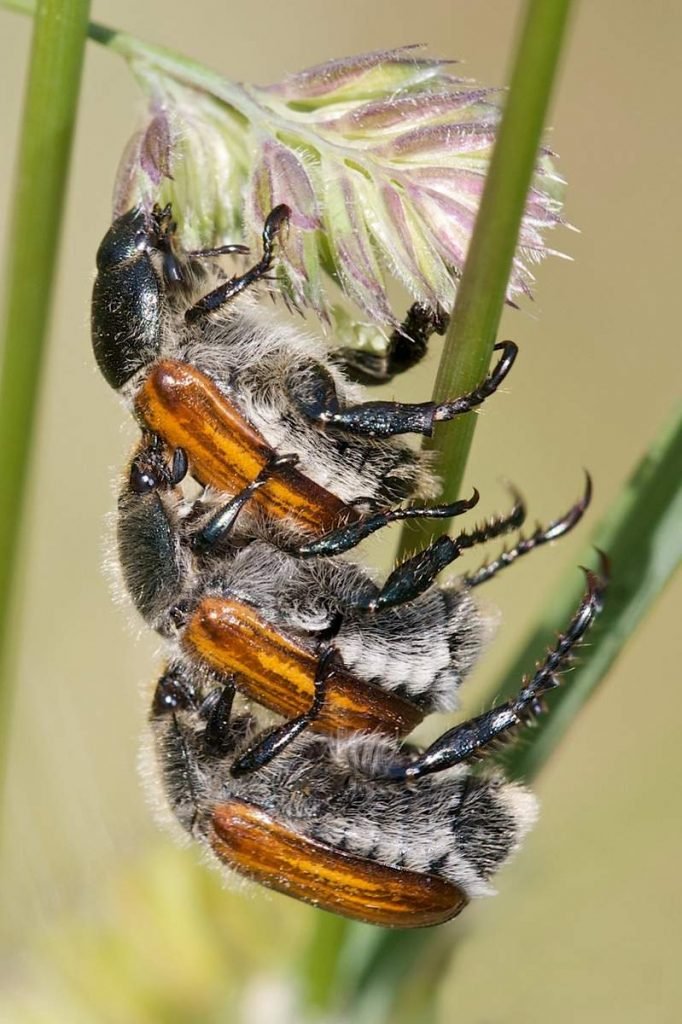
{"points": [[457, 825], [255, 357], [421, 650]]}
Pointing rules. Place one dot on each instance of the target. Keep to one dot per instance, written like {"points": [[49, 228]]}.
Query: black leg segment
{"points": [[415, 575], [346, 537], [269, 744], [541, 535], [317, 400], [274, 223], [406, 347], [469, 740], [222, 523], [220, 250], [217, 710]]}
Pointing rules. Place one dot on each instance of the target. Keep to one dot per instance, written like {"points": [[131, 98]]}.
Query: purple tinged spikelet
{"points": [[381, 158]]}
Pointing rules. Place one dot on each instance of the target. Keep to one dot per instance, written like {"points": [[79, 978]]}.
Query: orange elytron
{"points": [[247, 839], [277, 671], [187, 409]]}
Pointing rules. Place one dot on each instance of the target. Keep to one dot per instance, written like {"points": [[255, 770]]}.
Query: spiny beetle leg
{"points": [[346, 537], [541, 535], [469, 739], [386, 419], [415, 575]]}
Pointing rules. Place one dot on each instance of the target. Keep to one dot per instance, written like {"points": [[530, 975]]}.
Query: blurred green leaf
{"points": [[642, 537]]}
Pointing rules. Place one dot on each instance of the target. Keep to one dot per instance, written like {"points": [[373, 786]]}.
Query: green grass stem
{"points": [[481, 294], [47, 129], [467, 351]]}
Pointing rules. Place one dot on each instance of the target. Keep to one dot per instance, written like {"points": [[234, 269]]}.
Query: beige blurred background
{"points": [[587, 924]]}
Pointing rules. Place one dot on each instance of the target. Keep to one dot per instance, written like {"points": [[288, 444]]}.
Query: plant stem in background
{"points": [[319, 966], [469, 345], [481, 294], [49, 113], [371, 969]]}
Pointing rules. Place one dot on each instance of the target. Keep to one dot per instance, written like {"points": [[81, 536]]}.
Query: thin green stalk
{"points": [[475, 320], [47, 129], [481, 295], [319, 966]]}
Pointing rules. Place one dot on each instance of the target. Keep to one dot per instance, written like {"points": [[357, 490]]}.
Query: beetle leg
{"points": [[227, 291], [179, 467], [219, 735], [469, 740], [405, 348], [317, 399], [231, 249], [268, 745], [541, 535], [218, 528], [349, 536], [416, 574]]}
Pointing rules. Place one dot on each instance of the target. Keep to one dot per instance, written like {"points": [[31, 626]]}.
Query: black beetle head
{"points": [[136, 232], [129, 235], [151, 470], [129, 292]]}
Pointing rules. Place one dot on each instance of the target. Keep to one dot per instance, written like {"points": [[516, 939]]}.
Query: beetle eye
{"points": [[141, 240], [172, 694], [142, 481]]}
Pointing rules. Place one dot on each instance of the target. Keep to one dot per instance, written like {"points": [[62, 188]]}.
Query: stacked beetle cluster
{"points": [[293, 676]]}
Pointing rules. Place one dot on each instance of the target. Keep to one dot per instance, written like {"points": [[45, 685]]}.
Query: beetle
{"points": [[331, 804], [362, 825], [202, 364], [262, 612]]}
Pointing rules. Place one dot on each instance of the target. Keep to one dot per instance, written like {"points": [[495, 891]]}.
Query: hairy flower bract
{"points": [[381, 158]]}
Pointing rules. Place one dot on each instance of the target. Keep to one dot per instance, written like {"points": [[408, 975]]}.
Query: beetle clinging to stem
{"points": [[361, 826], [214, 373], [321, 805], [264, 610]]}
